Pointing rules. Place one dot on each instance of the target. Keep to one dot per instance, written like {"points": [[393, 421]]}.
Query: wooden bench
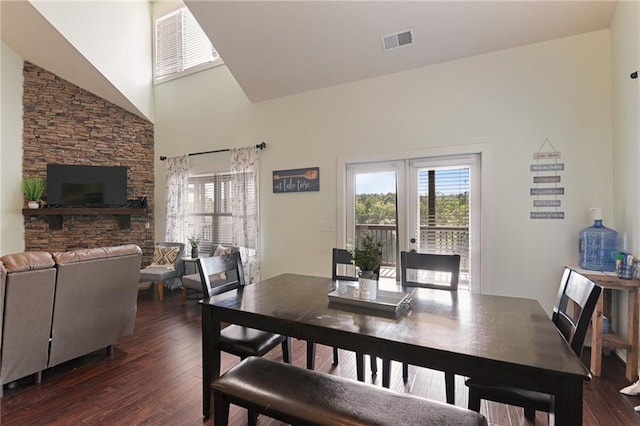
{"points": [[305, 397]]}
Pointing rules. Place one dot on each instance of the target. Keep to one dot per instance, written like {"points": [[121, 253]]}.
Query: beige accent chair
{"points": [[160, 274]]}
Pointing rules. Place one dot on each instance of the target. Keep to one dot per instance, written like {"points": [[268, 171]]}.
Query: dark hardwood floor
{"points": [[154, 378]]}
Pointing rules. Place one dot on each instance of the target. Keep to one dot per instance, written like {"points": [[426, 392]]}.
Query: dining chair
{"points": [[339, 257], [191, 281], [577, 299], [426, 270], [166, 265], [235, 339], [343, 269]]}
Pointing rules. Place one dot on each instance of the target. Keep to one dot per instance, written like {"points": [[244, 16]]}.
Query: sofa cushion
{"points": [[81, 255], [157, 274], [27, 261]]}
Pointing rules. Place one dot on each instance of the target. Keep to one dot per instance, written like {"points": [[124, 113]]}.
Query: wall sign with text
{"points": [[547, 191], [296, 180]]}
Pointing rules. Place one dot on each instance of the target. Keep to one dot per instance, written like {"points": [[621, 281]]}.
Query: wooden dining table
{"points": [[506, 340]]}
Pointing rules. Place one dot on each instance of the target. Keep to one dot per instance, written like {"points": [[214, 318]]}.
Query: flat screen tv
{"points": [[86, 186]]}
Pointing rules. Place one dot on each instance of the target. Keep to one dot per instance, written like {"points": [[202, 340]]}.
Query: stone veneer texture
{"points": [[64, 124]]}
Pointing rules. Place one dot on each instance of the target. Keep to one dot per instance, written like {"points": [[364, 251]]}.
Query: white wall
{"points": [[511, 100], [11, 200], [115, 36], [625, 42]]}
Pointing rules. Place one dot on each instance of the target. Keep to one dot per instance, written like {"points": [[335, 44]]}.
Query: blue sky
{"points": [[375, 183]]}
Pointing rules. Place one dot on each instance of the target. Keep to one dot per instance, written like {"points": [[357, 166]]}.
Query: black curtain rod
{"points": [[260, 146]]}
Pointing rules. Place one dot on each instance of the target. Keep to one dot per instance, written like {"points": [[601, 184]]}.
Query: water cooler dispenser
{"points": [[598, 245]]}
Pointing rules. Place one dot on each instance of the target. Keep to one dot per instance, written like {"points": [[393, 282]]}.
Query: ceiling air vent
{"points": [[393, 41]]}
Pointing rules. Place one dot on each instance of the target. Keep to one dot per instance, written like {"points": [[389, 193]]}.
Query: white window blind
{"points": [[209, 209], [444, 214], [181, 46]]}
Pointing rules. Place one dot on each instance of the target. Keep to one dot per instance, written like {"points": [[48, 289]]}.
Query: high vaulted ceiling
{"points": [[278, 48]]}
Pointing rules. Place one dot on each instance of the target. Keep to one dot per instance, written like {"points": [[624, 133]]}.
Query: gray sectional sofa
{"points": [[59, 306]]}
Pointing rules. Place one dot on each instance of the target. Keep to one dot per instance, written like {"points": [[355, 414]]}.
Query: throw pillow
{"points": [[222, 251], [165, 257]]}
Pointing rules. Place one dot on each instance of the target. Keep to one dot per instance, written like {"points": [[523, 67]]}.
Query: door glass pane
{"points": [[443, 214], [376, 214]]}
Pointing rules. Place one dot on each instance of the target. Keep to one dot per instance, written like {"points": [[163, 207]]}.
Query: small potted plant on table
{"points": [[194, 241], [33, 188], [368, 260]]}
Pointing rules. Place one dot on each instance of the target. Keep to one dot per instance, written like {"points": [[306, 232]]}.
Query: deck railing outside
{"points": [[433, 239]]}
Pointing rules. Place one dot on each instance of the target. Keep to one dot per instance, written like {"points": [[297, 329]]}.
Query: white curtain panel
{"points": [[177, 180], [245, 209]]}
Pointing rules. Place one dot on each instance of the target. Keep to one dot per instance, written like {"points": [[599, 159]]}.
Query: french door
{"points": [[428, 205], [443, 200], [375, 206]]}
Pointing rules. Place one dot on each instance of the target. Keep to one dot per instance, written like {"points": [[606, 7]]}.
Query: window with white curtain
{"points": [[181, 47], [209, 209]]}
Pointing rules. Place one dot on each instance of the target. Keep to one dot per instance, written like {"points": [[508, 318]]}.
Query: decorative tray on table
{"points": [[386, 302]]}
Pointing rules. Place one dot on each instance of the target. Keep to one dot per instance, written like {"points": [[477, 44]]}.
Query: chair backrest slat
{"points": [[583, 295], [448, 263]]}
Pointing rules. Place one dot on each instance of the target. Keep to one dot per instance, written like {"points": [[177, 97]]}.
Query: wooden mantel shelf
{"points": [[54, 215]]}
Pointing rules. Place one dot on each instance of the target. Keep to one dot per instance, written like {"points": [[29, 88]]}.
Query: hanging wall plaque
{"points": [[296, 180], [547, 191]]}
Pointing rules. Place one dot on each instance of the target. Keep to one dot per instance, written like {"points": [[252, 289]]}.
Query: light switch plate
{"points": [[326, 227]]}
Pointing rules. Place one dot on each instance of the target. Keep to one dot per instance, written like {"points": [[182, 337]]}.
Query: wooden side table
{"points": [[610, 283]]}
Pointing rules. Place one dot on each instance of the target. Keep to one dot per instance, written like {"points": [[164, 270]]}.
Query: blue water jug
{"points": [[598, 245]]}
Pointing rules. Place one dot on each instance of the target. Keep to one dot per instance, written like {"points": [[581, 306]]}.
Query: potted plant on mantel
{"points": [[33, 188], [194, 241], [368, 261]]}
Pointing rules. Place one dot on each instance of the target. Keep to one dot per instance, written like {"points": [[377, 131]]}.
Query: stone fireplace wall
{"points": [[64, 124]]}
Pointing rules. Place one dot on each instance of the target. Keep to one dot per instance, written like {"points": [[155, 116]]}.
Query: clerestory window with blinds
{"points": [[181, 46], [209, 209]]}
